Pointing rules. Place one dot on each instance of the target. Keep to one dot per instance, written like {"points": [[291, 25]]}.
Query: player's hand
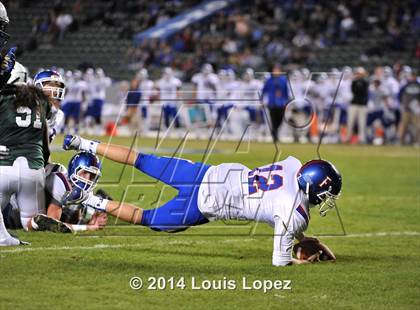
{"points": [[314, 258], [4, 151], [71, 142], [74, 196], [52, 134], [8, 62], [6, 66], [98, 221]]}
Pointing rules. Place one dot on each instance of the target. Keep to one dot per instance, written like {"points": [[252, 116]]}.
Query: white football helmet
{"points": [[142, 74], [4, 22]]}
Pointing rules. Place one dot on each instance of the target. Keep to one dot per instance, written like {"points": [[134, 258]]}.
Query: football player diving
{"points": [[83, 173], [279, 194]]}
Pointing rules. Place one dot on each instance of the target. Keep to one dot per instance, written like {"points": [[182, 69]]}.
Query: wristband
{"points": [[88, 145], [79, 227]]}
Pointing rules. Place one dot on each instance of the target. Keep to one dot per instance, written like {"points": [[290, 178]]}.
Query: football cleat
{"points": [[71, 142], [9, 242], [12, 241], [46, 223], [20, 241]]}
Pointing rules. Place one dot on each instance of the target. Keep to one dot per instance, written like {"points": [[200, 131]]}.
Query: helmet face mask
{"points": [[79, 180], [53, 92], [51, 83], [84, 171], [327, 202]]}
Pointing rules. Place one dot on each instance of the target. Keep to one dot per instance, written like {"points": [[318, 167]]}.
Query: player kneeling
{"points": [[78, 181], [279, 194]]}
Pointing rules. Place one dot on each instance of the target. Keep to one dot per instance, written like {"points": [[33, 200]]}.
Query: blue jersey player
{"points": [[279, 194]]}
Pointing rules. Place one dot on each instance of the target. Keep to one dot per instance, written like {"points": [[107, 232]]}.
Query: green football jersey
{"points": [[22, 131]]}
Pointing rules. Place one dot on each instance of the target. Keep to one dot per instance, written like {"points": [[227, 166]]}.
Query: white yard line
{"points": [[139, 245]]}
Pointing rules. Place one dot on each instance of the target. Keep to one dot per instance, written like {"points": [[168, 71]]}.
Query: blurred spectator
{"points": [[358, 107], [63, 22], [410, 105], [276, 95], [346, 27]]}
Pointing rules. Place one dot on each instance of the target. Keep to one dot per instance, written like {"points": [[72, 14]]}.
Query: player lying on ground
{"points": [[82, 176], [279, 194]]}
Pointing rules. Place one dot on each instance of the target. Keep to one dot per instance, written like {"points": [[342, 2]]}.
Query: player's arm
{"points": [[283, 245], [97, 221], [54, 211], [113, 152], [121, 210]]}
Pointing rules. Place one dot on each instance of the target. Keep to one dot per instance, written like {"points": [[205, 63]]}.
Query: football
{"points": [[306, 248]]}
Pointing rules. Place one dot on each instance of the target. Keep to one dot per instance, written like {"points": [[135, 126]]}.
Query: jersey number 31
{"points": [[24, 117]]}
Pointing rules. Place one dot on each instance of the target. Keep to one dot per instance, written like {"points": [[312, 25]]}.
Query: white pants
{"points": [[27, 185], [357, 113]]}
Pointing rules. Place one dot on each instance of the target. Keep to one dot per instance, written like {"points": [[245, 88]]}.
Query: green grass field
{"points": [[377, 267]]}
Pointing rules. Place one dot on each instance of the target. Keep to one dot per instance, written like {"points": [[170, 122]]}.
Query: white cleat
{"points": [[10, 241]]}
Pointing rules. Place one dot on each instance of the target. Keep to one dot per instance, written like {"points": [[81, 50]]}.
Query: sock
{"points": [[96, 202], [34, 225], [88, 145]]}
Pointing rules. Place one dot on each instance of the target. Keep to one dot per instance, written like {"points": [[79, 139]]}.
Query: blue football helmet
{"points": [[321, 182], [79, 165], [51, 76]]}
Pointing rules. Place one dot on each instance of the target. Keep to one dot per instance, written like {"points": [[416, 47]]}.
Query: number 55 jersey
{"points": [[267, 194], [22, 125]]}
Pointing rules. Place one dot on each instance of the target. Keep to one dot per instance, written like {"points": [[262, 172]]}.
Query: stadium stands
{"points": [[310, 33]]}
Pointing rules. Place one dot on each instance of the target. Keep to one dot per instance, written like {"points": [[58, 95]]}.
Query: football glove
{"points": [[6, 66], [74, 196], [52, 133], [308, 247], [71, 142]]}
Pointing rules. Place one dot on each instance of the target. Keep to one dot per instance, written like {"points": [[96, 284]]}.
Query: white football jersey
{"points": [[75, 90], [206, 85], [146, 87], [251, 91], [233, 91], [168, 89], [393, 87], [267, 194], [56, 120], [56, 185], [344, 93], [97, 88]]}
